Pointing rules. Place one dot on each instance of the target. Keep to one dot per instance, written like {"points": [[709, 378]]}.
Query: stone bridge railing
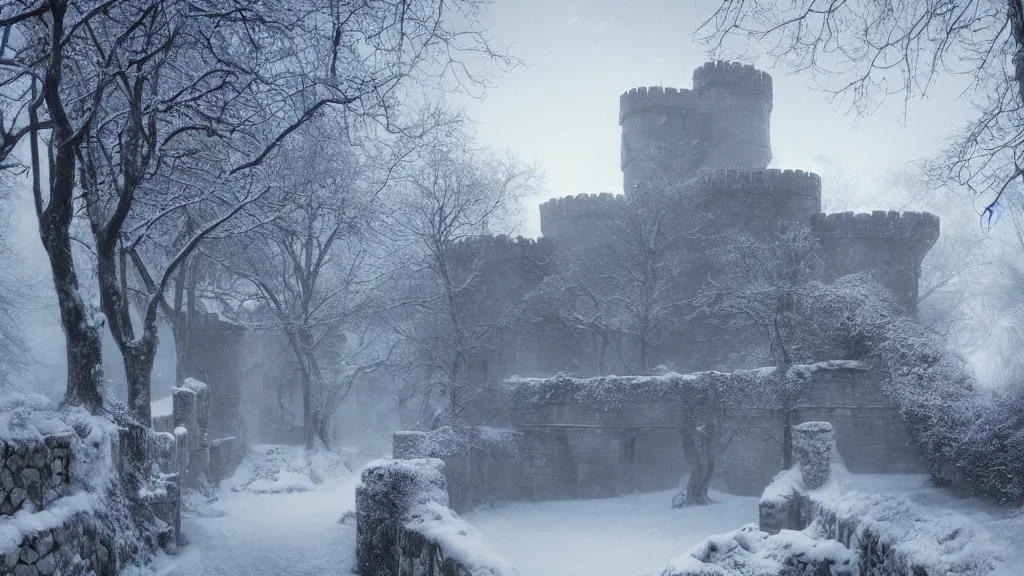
{"points": [[405, 528]]}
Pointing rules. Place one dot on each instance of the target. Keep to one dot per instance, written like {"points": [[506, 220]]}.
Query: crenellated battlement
{"points": [[581, 206], [921, 227], [649, 98], [796, 182], [733, 73]]}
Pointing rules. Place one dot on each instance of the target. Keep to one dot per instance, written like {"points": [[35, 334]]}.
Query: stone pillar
{"points": [[408, 444], [387, 492], [812, 447], [181, 468]]}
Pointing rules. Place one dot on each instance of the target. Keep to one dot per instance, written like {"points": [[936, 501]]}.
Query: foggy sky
{"points": [[562, 108]]}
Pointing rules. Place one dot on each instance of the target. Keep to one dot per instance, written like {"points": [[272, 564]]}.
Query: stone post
{"points": [[812, 446], [409, 444], [387, 492], [181, 469]]}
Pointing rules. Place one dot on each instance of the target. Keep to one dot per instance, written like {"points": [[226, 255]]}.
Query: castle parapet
{"points": [[648, 98], [755, 200], [740, 76], [577, 220], [890, 245], [917, 227]]}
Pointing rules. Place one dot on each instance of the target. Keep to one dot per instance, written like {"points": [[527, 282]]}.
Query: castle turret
{"points": [[668, 134], [579, 221], [890, 245], [737, 104], [661, 136]]}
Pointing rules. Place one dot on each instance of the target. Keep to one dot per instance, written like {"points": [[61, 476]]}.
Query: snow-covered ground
{"points": [[627, 536], [270, 534]]}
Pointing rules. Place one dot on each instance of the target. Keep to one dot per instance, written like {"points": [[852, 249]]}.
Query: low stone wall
{"points": [[886, 534], [481, 464], [46, 527], [71, 548], [223, 458], [405, 528], [33, 474]]}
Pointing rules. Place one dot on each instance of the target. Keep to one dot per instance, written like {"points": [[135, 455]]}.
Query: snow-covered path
{"points": [[270, 535], [627, 536]]}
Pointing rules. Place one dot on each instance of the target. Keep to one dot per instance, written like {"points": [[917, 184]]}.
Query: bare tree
{"points": [[13, 297], [864, 51], [311, 266], [448, 194], [124, 90]]}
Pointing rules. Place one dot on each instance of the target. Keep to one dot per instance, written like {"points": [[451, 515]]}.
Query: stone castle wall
{"points": [[869, 432], [890, 245], [625, 438]]}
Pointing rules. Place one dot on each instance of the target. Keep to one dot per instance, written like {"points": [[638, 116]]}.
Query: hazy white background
{"points": [[562, 109]]}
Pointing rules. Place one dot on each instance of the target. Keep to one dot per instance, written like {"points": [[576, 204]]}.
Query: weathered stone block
{"points": [[47, 565], [812, 446], [25, 570], [18, 496]]}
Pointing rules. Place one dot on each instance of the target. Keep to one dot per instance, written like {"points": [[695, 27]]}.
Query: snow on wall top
{"points": [[614, 390], [459, 540], [194, 385], [27, 417]]}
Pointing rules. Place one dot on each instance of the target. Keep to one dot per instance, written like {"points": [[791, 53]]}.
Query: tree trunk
{"points": [[701, 458], [138, 369], [787, 439], [310, 426], [82, 337], [457, 395]]}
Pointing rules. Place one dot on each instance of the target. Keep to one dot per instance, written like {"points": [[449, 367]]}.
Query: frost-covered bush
{"points": [[964, 435], [278, 469], [812, 446], [750, 552]]}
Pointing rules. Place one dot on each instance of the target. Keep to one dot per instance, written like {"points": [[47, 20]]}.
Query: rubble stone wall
{"points": [[34, 474], [46, 527]]}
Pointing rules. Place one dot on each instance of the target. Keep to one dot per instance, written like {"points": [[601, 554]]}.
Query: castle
{"points": [[706, 150], [713, 144]]}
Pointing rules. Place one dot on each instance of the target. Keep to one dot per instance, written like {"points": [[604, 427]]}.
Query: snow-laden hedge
{"points": [[751, 552], [757, 387], [404, 526], [965, 435]]}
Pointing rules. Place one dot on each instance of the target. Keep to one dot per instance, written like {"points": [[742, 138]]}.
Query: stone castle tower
{"points": [[715, 139]]}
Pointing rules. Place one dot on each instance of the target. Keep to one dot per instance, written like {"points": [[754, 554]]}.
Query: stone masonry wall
{"points": [[34, 474], [626, 440], [46, 528], [480, 464]]}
